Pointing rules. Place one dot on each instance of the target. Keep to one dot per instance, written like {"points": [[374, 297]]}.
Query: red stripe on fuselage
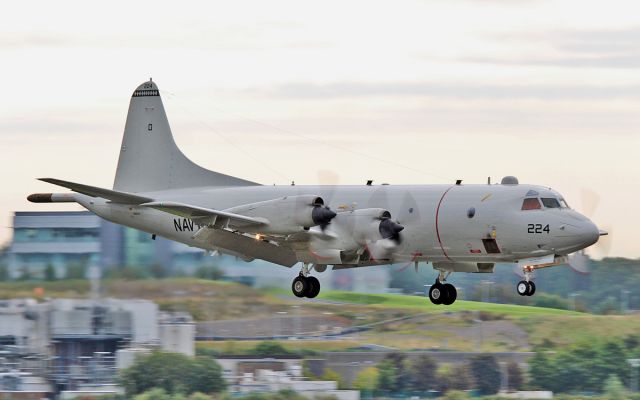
{"points": [[437, 229]]}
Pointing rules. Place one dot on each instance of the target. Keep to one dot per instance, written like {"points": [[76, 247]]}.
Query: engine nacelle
{"points": [[352, 233], [289, 214]]}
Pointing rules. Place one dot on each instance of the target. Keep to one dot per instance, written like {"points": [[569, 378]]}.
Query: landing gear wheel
{"points": [[314, 287], [532, 289], [437, 293], [451, 294], [300, 286], [523, 288]]}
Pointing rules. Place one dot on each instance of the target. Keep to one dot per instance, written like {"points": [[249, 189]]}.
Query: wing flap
{"points": [[207, 215], [248, 247], [94, 191]]}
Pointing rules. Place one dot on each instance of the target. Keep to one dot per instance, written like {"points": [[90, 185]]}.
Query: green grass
{"points": [[422, 303]]}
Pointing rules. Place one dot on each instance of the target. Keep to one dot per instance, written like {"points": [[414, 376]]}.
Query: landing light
{"points": [[259, 236]]}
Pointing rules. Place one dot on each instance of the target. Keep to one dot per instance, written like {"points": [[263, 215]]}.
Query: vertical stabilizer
{"points": [[149, 158]]}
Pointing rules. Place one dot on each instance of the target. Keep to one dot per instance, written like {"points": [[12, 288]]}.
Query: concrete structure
{"points": [[256, 374], [75, 343], [177, 332]]}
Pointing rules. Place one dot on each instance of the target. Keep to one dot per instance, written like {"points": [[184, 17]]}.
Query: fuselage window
{"points": [[550, 202], [531, 204]]}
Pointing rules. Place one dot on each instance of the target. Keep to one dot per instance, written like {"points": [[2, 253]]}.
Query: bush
{"points": [[173, 373], [209, 272], [269, 349]]}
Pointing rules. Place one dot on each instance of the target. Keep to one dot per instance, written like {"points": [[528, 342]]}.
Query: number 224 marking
{"points": [[537, 228]]}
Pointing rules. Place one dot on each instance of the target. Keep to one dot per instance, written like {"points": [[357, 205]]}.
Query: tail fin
{"points": [[149, 158]]}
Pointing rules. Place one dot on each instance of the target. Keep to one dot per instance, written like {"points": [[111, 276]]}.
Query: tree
{"points": [[174, 373], [49, 273], [386, 376], [422, 374], [399, 370], [514, 374], [153, 394], [486, 373], [367, 379], [614, 389], [331, 375]]}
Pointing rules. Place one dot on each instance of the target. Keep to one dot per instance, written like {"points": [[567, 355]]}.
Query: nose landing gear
{"points": [[305, 285], [526, 287]]}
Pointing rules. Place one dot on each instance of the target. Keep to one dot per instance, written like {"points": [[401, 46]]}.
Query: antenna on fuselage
{"points": [[488, 180]]}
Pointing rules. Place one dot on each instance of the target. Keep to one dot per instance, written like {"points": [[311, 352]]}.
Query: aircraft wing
{"points": [[93, 191], [216, 218]]}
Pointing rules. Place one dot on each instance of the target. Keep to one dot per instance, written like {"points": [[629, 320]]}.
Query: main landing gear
{"points": [[526, 287], [442, 293], [305, 285]]}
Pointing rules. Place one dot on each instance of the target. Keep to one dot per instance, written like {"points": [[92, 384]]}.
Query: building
{"points": [[59, 244], [75, 343], [64, 243]]}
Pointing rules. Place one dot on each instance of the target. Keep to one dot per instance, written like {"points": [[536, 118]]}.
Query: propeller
{"points": [[390, 230], [322, 216], [580, 260]]}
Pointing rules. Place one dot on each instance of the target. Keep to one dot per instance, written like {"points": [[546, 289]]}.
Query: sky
{"points": [[412, 92]]}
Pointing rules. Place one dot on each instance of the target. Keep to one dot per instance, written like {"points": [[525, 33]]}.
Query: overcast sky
{"points": [[274, 91]]}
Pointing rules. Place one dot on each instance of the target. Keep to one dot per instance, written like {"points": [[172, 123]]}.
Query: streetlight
{"points": [[572, 297], [281, 313]]}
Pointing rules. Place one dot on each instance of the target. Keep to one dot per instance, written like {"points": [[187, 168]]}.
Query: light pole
{"points": [[634, 363], [624, 301], [573, 296], [281, 316]]}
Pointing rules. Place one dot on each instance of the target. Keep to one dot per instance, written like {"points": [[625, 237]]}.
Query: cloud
{"points": [[452, 90], [596, 48]]}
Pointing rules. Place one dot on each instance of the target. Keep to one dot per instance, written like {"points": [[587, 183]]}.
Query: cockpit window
{"points": [[550, 202], [563, 203], [531, 203]]}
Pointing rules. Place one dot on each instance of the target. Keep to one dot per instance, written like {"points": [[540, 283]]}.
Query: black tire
{"points": [[437, 293], [314, 287], [300, 286], [451, 294], [532, 289], [522, 288]]}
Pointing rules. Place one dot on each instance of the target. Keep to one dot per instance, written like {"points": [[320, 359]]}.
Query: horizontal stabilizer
{"points": [[93, 191], [200, 213]]}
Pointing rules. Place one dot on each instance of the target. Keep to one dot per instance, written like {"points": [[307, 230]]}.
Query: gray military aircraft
{"points": [[456, 227]]}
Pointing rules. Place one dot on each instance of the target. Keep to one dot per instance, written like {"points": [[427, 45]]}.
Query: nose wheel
{"points": [[525, 288]]}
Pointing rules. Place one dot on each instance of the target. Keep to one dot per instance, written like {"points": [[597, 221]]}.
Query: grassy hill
{"points": [[395, 321]]}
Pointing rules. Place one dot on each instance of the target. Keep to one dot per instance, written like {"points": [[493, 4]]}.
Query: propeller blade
{"points": [[590, 201], [603, 246], [579, 262]]}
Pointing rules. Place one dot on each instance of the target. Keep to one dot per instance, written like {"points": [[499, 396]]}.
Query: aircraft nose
{"points": [[589, 233], [576, 233]]}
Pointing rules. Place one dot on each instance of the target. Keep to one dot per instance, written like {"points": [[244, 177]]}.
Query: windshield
{"points": [[531, 203], [550, 202]]}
